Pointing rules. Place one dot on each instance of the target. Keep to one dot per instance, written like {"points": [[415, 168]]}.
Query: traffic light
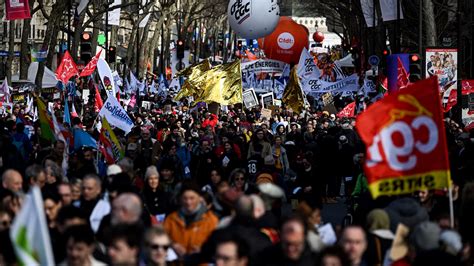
{"points": [[180, 49], [86, 47], [112, 54], [415, 67]]}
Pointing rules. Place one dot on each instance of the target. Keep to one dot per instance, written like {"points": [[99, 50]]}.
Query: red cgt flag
{"points": [[402, 80], [348, 111], [17, 9], [405, 139], [90, 68], [66, 69]]}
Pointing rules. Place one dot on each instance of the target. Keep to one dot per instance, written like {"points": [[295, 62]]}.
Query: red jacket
{"points": [[212, 121]]}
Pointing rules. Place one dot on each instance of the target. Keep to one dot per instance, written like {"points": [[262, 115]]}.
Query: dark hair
{"points": [[243, 248], [296, 218], [52, 194], [70, 212], [80, 233], [189, 185], [335, 251], [130, 233]]}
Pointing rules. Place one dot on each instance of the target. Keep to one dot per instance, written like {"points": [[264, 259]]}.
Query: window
{"points": [[42, 33], [33, 31], [38, 33]]}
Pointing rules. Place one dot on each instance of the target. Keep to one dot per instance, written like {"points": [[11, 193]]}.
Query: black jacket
{"points": [[274, 255]]}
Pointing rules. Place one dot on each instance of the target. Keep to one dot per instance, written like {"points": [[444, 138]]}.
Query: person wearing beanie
{"points": [[156, 201], [379, 237]]}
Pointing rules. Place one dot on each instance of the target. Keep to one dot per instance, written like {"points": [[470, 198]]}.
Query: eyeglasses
{"points": [[156, 247]]}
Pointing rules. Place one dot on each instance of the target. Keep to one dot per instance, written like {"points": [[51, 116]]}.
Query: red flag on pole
{"points": [[98, 100], [17, 9], [402, 79], [66, 69], [90, 68], [406, 142], [348, 111]]}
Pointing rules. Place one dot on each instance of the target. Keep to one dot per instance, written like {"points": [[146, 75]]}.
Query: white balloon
{"points": [[253, 19]]}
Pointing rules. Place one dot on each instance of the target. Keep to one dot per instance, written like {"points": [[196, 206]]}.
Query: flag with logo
{"points": [[348, 110], [106, 77], [29, 232], [116, 115], [91, 66], [406, 142], [307, 69], [98, 99], [17, 9], [66, 69]]}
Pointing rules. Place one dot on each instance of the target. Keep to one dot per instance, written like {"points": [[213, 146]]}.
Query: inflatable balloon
{"points": [[305, 28], [318, 36], [286, 42], [253, 19]]}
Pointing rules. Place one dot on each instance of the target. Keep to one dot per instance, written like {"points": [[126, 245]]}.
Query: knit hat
{"points": [[451, 241], [378, 219], [264, 178], [113, 169], [271, 190], [406, 211], [151, 171], [425, 236]]}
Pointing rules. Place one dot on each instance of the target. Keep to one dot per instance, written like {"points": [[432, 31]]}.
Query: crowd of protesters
{"points": [[229, 189]]}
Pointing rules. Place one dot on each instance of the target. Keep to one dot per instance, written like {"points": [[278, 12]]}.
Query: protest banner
{"points": [[406, 143], [116, 115], [263, 65], [249, 98]]}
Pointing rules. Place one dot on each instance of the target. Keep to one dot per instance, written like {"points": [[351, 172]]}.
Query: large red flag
{"points": [[17, 9], [98, 100], [348, 111], [406, 142], [66, 69], [90, 68]]}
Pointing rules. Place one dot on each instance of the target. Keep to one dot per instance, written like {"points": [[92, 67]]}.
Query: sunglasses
{"points": [[156, 247]]}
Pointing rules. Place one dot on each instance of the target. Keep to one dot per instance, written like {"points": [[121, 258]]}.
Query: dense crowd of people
{"points": [[233, 188]]}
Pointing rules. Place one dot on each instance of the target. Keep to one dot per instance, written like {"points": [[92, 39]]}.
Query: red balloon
{"points": [[286, 42], [318, 36], [306, 29]]}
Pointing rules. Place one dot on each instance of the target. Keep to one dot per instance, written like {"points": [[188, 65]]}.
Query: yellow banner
{"points": [[409, 184]]}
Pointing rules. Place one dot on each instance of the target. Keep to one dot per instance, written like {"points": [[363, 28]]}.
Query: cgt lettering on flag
{"points": [[406, 143]]}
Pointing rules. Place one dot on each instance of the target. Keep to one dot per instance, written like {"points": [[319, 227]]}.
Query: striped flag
{"points": [[109, 145], [46, 123], [29, 232]]}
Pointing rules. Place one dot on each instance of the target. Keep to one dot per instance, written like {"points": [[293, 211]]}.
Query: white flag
{"points": [[369, 12], [307, 69], [5, 91], [29, 232], [389, 10], [116, 115], [114, 15], [106, 77], [153, 90], [82, 5]]}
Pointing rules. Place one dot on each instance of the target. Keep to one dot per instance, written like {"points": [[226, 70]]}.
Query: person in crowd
{"points": [[92, 202], [13, 181], [76, 189], [259, 146], [148, 149], [157, 247], [65, 192], [293, 248], [192, 224], [238, 181], [80, 245], [35, 176], [334, 256], [354, 243], [123, 244], [232, 250], [312, 214], [379, 237], [156, 201]]}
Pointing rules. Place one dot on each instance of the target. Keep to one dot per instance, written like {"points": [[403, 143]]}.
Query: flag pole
{"points": [[451, 207]]}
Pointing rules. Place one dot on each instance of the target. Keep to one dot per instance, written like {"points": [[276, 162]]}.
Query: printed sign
{"points": [[249, 98]]}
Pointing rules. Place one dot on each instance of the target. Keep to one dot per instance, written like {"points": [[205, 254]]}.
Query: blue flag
{"points": [[83, 139], [67, 115]]}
